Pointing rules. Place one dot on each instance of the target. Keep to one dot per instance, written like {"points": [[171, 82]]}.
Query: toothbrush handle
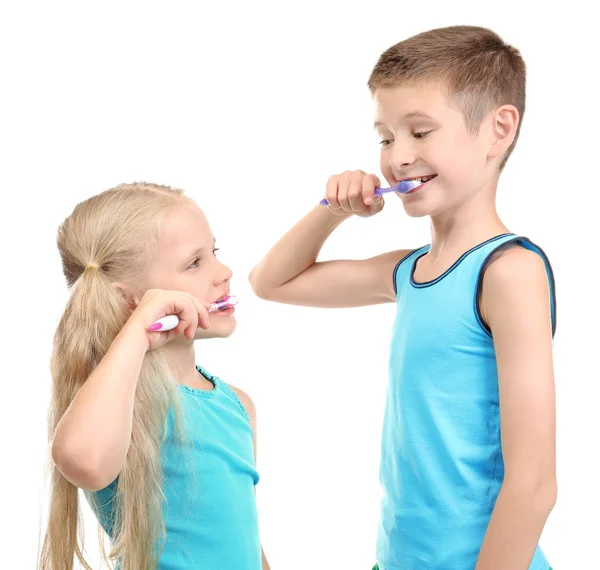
{"points": [[165, 323], [171, 321], [400, 187]]}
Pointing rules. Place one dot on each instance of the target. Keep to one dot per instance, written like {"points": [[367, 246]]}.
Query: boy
{"points": [[468, 446]]}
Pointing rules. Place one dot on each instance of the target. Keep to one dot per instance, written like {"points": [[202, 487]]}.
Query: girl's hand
{"points": [[157, 303]]}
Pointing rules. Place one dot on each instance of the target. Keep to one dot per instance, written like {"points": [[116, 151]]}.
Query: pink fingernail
{"points": [[155, 327]]}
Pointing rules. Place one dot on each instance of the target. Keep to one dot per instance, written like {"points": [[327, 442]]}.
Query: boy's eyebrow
{"points": [[417, 114], [411, 115]]}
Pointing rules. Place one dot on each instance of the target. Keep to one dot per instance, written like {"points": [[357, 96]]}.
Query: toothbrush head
{"points": [[227, 303], [405, 186]]}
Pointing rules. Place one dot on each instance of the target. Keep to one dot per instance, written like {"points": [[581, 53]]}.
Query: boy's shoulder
{"points": [[514, 260], [516, 278]]}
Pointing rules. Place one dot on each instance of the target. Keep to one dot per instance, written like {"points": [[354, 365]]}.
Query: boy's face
{"points": [[423, 135], [186, 261]]}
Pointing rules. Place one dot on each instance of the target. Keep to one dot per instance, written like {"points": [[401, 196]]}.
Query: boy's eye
{"points": [[421, 134], [385, 142], [215, 249]]}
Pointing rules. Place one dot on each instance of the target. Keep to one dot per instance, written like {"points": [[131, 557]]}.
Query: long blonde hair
{"points": [[109, 238]]}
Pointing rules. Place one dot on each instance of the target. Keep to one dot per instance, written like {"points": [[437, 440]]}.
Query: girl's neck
{"points": [[182, 360]]}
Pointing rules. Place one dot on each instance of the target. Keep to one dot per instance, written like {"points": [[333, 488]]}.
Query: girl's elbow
{"points": [[80, 469]]}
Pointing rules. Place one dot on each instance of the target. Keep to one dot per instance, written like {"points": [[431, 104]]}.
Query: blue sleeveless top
{"points": [[210, 511], [441, 458]]}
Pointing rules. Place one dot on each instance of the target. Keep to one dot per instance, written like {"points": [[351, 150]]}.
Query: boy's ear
{"points": [[126, 292], [505, 121]]}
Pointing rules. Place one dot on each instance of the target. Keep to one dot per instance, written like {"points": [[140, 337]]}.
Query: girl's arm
{"points": [[251, 411], [92, 438], [515, 304]]}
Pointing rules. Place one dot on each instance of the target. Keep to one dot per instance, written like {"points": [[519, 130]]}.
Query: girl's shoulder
{"points": [[238, 396]]}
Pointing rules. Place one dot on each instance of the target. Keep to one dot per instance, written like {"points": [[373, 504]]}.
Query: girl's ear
{"points": [[127, 293]]}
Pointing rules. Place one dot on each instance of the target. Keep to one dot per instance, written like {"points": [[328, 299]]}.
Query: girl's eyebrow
{"points": [[200, 249]]}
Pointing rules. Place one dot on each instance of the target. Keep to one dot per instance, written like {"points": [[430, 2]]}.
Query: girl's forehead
{"points": [[183, 226]]}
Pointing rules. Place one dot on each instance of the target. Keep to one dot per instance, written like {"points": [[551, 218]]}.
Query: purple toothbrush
{"points": [[403, 186]]}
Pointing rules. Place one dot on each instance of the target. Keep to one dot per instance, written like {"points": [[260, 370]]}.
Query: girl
{"points": [[164, 451]]}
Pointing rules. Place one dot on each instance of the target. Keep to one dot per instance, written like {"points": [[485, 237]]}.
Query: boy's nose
{"points": [[401, 158]]}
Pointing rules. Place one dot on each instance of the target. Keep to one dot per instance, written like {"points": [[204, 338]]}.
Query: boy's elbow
{"points": [[259, 287], [549, 495], [544, 499], [540, 493]]}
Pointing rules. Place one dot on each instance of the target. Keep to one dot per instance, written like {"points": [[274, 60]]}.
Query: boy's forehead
{"points": [[410, 101]]}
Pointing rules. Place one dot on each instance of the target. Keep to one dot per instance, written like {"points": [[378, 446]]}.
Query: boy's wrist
{"points": [[334, 218]]}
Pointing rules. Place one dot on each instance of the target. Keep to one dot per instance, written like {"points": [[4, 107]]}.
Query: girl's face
{"points": [[186, 261]]}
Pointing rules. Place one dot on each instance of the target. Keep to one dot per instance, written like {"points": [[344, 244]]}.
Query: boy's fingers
{"points": [[355, 196], [331, 192], [368, 190], [343, 188], [378, 204]]}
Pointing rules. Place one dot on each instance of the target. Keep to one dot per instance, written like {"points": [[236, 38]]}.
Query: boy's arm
{"points": [[251, 411], [290, 273], [516, 305]]}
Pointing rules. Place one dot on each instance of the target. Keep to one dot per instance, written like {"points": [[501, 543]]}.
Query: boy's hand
{"points": [[354, 193]]}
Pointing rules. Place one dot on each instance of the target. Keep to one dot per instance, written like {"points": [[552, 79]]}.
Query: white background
{"points": [[250, 107]]}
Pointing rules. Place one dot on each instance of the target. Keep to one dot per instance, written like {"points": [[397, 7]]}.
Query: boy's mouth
{"points": [[420, 181]]}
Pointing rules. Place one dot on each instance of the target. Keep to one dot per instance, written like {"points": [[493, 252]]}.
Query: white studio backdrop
{"points": [[250, 107]]}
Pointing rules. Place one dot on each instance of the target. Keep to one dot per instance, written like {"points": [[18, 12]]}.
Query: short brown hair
{"points": [[479, 70]]}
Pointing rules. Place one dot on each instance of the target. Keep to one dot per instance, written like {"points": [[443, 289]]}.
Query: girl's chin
{"points": [[217, 330]]}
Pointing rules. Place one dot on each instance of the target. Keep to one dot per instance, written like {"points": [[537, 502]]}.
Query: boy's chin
{"points": [[416, 212]]}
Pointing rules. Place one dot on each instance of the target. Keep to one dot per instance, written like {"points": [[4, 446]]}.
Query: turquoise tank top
{"points": [[210, 511], [441, 458]]}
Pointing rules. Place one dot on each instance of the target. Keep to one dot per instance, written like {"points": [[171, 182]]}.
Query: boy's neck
{"points": [[469, 225]]}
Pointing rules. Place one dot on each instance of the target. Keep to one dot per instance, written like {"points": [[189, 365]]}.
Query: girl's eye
{"points": [[196, 261], [421, 135], [385, 142], [215, 251]]}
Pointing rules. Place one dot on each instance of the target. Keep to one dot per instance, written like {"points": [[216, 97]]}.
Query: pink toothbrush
{"points": [[171, 321]]}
